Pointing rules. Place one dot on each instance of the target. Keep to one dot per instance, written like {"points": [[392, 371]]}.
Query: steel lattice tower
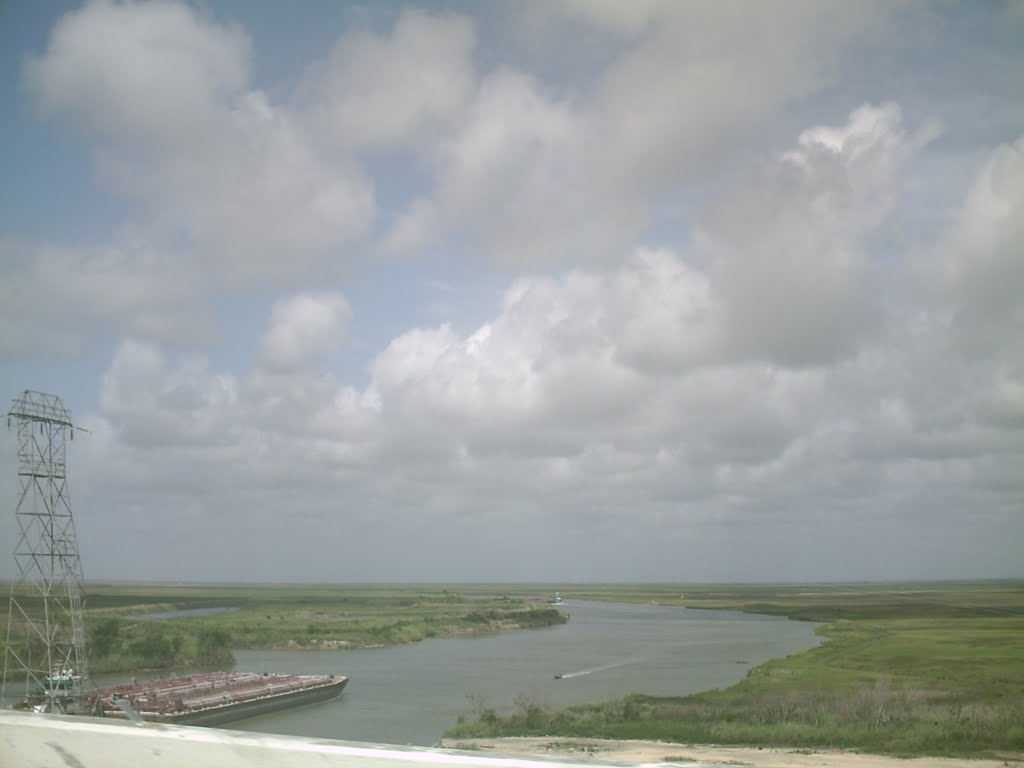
{"points": [[45, 662]]}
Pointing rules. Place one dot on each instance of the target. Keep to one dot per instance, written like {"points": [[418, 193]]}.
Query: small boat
{"points": [[64, 680]]}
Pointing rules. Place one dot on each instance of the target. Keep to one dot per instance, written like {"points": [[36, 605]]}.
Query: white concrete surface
{"points": [[52, 741]]}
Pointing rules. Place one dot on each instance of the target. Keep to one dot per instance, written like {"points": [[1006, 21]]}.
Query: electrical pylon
{"points": [[45, 662]]}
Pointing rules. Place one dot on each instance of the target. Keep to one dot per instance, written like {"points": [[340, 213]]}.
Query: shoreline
{"points": [[605, 750], [910, 654]]}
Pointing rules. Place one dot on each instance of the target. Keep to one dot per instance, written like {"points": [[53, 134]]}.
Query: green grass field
{"points": [[307, 617], [933, 669]]}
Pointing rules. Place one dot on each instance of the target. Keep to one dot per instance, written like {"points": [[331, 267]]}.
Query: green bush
{"points": [[103, 637], [154, 649]]}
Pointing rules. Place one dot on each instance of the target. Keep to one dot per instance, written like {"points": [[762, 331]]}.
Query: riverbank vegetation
{"points": [[933, 669], [123, 638]]}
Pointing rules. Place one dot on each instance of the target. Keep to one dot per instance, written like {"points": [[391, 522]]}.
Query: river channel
{"points": [[410, 694]]}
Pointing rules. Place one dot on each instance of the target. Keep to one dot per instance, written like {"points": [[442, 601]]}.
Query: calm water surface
{"points": [[165, 615], [410, 694]]}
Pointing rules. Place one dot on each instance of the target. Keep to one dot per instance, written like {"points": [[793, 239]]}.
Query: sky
{"points": [[523, 291]]}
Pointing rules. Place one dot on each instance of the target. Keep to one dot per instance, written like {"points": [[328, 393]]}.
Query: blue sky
{"points": [[535, 291]]}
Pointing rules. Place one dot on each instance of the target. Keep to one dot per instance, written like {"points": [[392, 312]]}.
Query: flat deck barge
{"points": [[214, 698]]}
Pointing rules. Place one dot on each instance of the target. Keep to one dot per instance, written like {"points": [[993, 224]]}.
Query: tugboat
{"points": [[55, 693], [64, 680]]}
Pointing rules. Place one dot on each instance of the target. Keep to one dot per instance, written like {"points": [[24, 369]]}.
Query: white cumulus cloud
{"points": [[395, 90], [144, 73], [165, 93], [304, 328], [788, 248]]}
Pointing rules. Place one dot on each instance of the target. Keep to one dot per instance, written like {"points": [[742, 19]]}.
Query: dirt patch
{"points": [[601, 750]]}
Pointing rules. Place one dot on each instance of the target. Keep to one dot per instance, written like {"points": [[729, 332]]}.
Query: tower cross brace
{"points": [[45, 659]]}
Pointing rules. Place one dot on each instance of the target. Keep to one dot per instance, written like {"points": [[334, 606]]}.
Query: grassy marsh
{"points": [[906, 669], [269, 616]]}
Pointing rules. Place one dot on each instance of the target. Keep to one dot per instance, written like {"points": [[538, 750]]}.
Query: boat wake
{"points": [[602, 668]]}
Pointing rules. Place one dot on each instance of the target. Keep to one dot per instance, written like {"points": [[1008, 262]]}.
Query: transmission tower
{"points": [[45, 663]]}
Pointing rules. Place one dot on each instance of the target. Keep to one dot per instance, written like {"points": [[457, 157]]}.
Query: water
{"points": [[410, 694], [164, 615]]}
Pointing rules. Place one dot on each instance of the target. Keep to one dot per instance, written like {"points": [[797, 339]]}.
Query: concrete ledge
{"points": [[54, 741]]}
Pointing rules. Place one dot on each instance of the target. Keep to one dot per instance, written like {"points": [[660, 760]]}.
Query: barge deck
{"points": [[214, 698]]}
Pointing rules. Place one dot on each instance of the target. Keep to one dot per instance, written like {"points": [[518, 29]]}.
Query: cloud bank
{"points": [[730, 340]]}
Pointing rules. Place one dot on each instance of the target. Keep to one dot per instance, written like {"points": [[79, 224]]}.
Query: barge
{"points": [[213, 698]]}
